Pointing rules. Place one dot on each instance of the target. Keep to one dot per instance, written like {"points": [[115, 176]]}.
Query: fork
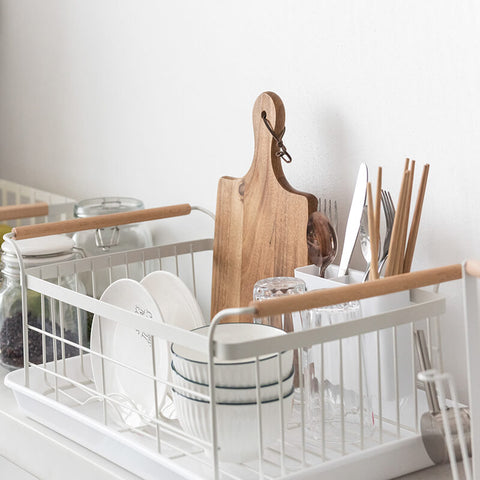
{"points": [[389, 213], [322, 234], [389, 210], [329, 209]]}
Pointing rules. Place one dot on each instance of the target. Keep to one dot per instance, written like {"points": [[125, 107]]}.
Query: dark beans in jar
{"points": [[11, 341]]}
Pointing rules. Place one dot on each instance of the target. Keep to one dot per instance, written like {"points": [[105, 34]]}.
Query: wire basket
{"points": [[24, 205], [64, 395], [462, 439], [455, 420]]}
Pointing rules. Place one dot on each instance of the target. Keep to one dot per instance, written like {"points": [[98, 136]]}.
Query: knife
{"points": [[354, 217]]}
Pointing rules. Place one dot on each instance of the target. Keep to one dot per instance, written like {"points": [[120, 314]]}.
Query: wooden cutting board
{"points": [[261, 221]]}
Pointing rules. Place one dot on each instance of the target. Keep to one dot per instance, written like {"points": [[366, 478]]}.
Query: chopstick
{"points": [[400, 258], [394, 250], [405, 215], [412, 238], [372, 233], [400, 243]]}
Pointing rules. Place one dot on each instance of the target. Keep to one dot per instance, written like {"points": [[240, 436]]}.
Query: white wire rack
{"points": [[62, 394], [459, 442], [456, 443], [24, 205]]}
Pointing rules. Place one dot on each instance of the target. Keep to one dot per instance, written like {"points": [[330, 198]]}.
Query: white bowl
{"points": [[193, 365], [237, 424], [232, 394]]}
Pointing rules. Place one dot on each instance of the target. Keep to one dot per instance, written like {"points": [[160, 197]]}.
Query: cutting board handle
{"points": [[269, 108]]}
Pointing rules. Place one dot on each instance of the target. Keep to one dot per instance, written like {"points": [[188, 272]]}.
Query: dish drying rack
{"points": [[24, 205], [62, 395], [462, 439]]}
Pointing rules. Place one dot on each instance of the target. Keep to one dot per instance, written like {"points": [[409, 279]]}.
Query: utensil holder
{"points": [[396, 380]]}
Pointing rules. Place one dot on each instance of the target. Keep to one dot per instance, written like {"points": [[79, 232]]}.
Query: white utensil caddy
{"points": [[62, 395]]}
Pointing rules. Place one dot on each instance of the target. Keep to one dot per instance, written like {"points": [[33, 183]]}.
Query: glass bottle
{"points": [[47, 314]]}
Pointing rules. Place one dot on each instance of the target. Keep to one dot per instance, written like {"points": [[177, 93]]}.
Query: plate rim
{"points": [[186, 294], [94, 360]]}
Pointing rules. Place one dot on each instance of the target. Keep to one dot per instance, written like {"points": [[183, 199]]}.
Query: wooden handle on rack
{"points": [[26, 210], [358, 291], [101, 221], [472, 267]]}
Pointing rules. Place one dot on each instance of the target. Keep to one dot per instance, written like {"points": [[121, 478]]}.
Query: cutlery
{"points": [[354, 217], [401, 251], [389, 211], [431, 423], [364, 237], [321, 241], [329, 209], [388, 208], [373, 232], [412, 238]]}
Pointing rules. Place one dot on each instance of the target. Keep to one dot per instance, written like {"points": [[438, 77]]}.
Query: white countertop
{"points": [[29, 451], [11, 471], [439, 472]]}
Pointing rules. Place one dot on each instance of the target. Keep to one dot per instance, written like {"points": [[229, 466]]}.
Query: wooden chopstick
{"points": [[405, 219], [397, 225], [412, 238], [372, 233], [400, 244]]}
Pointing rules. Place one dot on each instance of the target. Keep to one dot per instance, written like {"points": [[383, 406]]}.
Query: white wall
{"points": [[153, 99]]}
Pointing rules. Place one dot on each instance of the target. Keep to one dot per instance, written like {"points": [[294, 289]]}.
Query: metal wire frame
{"points": [[301, 340], [61, 384], [472, 340], [440, 380], [282, 452]]}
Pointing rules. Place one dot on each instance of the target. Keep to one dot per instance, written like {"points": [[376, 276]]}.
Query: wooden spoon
{"points": [[321, 241]]}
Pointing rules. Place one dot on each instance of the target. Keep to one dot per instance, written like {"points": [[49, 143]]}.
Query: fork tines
{"points": [[329, 209]]}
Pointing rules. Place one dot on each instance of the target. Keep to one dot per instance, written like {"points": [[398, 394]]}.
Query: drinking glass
{"points": [[338, 405], [277, 287]]}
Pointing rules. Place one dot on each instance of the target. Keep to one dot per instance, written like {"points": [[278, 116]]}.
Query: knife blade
{"points": [[354, 217]]}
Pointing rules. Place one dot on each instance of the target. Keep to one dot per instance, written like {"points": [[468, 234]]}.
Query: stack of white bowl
{"points": [[235, 392]]}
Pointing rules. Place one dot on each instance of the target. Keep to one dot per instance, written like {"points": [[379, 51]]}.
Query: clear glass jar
{"points": [[70, 322], [111, 239]]}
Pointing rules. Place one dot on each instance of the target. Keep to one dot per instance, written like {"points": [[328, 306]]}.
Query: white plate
{"points": [[177, 304], [132, 347]]}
